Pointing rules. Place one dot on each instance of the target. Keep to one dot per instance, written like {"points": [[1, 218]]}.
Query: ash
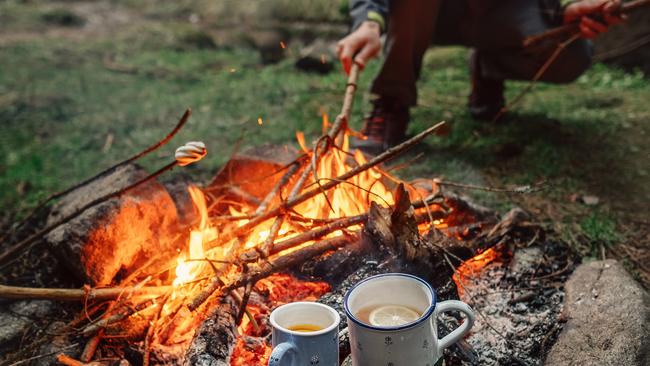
{"points": [[518, 304]]}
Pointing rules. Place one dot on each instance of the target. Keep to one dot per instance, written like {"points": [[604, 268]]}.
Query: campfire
{"points": [[263, 233]]}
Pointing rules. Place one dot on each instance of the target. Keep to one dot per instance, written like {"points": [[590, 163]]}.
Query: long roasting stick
{"points": [[568, 29], [285, 206], [341, 120]]}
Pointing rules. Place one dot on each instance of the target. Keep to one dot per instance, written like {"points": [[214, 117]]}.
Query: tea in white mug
{"points": [[305, 328], [387, 315]]}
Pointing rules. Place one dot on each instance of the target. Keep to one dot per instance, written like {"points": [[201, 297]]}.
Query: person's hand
{"points": [[584, 11], [361, 45]]}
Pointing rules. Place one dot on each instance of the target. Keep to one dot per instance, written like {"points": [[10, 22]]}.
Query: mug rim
{"points": [[337, 319], [412, 324]]}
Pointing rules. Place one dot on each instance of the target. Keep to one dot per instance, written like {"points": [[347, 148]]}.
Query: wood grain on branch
{"points": [[98, 294]]}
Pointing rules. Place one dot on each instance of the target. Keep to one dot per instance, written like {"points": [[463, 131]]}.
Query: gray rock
{"points": [[60, 342], [526, 259], [116, 236], [17, 320], [608, 319]]}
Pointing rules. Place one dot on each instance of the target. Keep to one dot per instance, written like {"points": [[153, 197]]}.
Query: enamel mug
{"points": [[294, 348], [410, 344]]}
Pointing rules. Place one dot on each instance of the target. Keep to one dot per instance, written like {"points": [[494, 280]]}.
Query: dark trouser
{"points": [[495, 28]]}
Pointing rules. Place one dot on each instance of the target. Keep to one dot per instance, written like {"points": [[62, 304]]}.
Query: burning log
{"points": [[215, 338], [91, 243]]}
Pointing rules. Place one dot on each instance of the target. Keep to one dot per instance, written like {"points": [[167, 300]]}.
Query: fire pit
{"points": [[200, 285]]}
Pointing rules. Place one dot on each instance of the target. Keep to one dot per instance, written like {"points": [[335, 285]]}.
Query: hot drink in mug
{"points": [[392, 321], [305, 333]]}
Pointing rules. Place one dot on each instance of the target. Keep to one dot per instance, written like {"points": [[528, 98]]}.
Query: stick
{"points": [[537, 76], [268, 268], [68, 361], [567, 29], [166, 139], [278, 187], [317, 233], [98, 294], [341, 120], [287, 205], [243, 309], [12, 252], [342, 223], [518, 189], [150, 333], [91, 347]]}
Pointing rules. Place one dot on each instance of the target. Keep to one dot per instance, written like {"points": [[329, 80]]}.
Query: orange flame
{"points": [[472, 267], [187, 269]]}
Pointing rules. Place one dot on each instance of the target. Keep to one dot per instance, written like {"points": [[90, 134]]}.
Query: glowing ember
{"points": [[472, 267], [250, 354]]}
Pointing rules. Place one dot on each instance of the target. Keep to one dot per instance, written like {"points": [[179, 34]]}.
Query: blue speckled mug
{"points": [[293, 348], [411, 344]]}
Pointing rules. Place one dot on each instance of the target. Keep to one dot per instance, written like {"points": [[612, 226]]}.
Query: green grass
{"points": [[599, 230]]}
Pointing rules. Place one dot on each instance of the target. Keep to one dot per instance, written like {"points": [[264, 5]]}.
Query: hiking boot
{"points": [[384, 127], [486, 100]]}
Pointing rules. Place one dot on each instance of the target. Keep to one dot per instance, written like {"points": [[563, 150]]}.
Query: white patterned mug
{"points": [[308, 347], [411, 344]]}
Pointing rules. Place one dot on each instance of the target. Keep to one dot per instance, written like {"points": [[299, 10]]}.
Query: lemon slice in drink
{"points": [[392, 315]]}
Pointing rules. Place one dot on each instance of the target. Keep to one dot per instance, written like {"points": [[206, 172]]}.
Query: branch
{"points": [[537, 76], [519, 189], [99, 294], [268, 268], [341, 120], [264, 205]]}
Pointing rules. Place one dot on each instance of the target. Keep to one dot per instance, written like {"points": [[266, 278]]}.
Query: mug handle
{"points": [[280, 351], [459, 332]]}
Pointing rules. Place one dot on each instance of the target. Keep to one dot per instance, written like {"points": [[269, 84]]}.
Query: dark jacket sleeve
{"points": [[362, 10], [553, 10]]}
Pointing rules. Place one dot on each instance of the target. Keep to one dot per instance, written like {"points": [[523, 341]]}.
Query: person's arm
{"points": [[585, 11], [369, 10], [369, 19]]}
